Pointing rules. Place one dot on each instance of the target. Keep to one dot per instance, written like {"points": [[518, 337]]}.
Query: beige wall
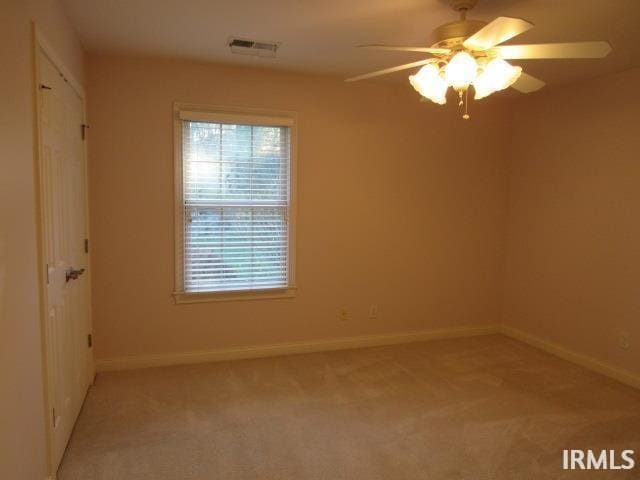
{"points": [[573, 256], [400, 204], [22, 443]]}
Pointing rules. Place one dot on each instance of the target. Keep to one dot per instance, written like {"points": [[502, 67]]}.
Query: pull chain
{"points": [[464, 102], [466, 105]]}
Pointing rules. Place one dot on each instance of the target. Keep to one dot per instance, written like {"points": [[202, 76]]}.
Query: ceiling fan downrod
{"points": [[463, 6]]}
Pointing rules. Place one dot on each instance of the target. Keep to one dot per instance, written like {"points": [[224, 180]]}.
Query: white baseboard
{"points": [[259, 351], [273, 350], [619, 374]]}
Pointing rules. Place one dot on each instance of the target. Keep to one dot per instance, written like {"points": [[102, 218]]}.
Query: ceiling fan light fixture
{"points": [[428, 83], [471, 52], [461, 70], [496, 76]]}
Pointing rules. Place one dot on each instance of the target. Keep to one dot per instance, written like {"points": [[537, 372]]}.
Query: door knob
{"points": [[74, 274]]}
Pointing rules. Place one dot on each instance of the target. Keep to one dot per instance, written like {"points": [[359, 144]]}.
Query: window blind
{"points": [[236, 204]]}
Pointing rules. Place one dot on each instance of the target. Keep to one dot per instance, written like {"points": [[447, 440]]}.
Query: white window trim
{"points": [[241, 115]]}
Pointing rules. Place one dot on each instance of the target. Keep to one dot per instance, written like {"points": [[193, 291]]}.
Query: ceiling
{"points": [[319, 35]]}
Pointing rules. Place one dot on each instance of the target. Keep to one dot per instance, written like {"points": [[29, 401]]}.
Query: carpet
{"points": [[481, 408]]}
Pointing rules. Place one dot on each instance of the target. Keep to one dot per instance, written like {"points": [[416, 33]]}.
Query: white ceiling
{"points": [[319, 35]]}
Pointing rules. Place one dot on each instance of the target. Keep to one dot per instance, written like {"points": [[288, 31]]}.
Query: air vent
{"points": [[255, 48]]}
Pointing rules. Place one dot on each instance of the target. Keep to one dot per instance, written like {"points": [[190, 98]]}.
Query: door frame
{"points": [[41, 45]]}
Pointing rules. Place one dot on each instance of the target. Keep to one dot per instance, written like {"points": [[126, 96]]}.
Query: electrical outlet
{"points": [[624, 340], [343, 314], [373, 311]]}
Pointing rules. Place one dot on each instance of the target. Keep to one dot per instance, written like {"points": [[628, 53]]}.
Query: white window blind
{"points": [[236, 206]]}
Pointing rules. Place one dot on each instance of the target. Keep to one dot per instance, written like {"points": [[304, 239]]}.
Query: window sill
{"points": [[206, 297]]}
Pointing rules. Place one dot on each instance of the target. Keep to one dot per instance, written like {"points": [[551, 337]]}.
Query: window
{"points": [[234, 222]]}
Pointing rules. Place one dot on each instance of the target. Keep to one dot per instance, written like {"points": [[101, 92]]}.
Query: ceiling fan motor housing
{"points": [[451, 35]]}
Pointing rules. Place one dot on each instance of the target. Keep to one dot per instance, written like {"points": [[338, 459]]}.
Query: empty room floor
{"points": [[471, 408]]}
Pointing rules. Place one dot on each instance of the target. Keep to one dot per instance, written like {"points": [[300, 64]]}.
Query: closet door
{"points": [[64, 211]]}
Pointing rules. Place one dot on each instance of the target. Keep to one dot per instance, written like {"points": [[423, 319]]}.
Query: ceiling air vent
{"points": [[255, 48]]}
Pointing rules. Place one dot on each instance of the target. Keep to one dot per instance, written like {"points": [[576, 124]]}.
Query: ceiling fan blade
{"points": [[527, 83], [555, 50], [399, 48], [391, 70], [498, 31]]}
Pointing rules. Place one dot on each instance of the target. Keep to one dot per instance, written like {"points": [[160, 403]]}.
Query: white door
{"points": [[64, 213]]}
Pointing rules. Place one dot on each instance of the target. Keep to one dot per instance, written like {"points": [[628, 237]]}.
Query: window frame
{"points": [[232, 115]]}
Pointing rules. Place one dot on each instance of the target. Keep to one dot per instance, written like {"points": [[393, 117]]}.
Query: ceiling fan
{"points": [[468, 52]]}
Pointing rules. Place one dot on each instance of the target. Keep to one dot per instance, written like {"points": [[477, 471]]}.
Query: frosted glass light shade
{"points": [[482, 87], [461, 70], [496, 76], [430, 84]]}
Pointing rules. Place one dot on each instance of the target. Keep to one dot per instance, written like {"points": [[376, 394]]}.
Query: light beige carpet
{"points": [[474, 409]]}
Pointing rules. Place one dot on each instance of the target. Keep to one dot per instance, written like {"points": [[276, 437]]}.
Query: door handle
{"points": [[74, 274]]}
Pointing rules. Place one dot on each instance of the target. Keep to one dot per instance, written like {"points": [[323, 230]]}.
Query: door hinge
{"points": [[86, 245], [90, 340], [53, 417], [84, 127], [47, 272]]}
